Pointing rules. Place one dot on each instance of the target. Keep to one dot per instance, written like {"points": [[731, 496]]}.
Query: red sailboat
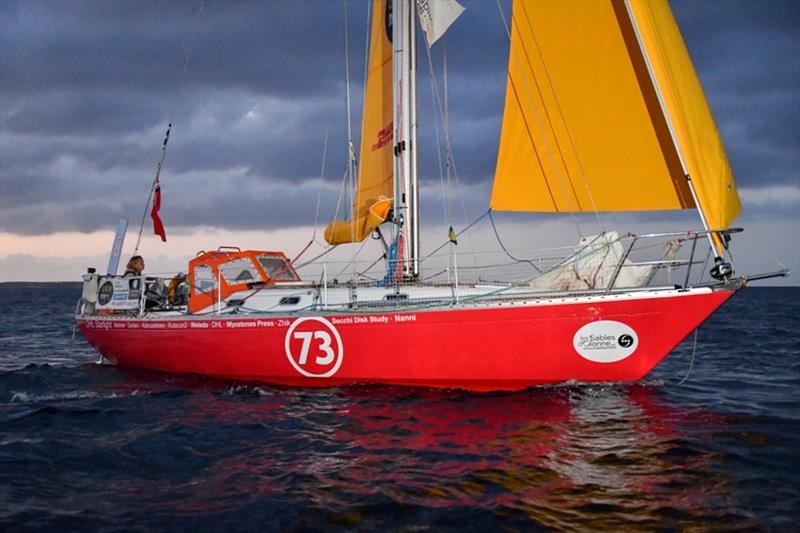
{"points": [[603, 112]]}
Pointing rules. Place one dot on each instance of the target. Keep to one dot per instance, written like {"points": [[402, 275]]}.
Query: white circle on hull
{"points": [[605, 341], [316, 346]]}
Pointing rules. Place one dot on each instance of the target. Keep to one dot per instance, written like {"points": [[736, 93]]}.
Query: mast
{"points": [[414, 181], [671, 128], [406, 193], [350, 149]]}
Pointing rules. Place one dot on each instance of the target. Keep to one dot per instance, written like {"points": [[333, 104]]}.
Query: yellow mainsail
{"points": [[374, 187], [584, 128]]}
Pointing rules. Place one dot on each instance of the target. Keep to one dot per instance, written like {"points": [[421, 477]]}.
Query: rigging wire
{"points": [[705, 263], [691, 361], [367, 34], [351, 152], [363, 273], [446, 121], [350, 148], [450, 159], [558, 175], [445, 243], [445, 185], [313, 259], [445, 195], [569, 134], [500, 241], [352, 261], [347, 193], [299, 255], [319, 199], [537, 120], [342, 194], [176, 99], [343, 187], [321, 182]]}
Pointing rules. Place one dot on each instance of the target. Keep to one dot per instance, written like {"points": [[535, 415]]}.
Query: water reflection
{"points": [[574, 457], [571, 455]]}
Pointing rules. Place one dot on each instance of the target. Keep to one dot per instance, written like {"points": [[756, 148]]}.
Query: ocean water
{"points": [[87, 446]]}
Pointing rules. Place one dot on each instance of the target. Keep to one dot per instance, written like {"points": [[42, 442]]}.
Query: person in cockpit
{"points": [[135, 266]]}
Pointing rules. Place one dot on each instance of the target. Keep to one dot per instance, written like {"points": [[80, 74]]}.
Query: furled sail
{"points": [[374, 187], [584, 127]]}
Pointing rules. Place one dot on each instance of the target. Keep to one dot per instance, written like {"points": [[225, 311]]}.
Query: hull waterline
{"points": [[501, 347]]}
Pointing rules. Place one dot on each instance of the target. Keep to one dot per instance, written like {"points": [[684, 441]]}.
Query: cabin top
{"points": [[234, 270]]}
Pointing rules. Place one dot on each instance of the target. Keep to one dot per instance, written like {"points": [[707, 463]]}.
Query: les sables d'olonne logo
{"points": [[605, 341]]}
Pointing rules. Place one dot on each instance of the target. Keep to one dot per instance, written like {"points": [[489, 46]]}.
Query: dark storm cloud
{"points": [[75, 45], [87, 88], [271, 137], [747, 54], [216, 201], [88, 112]]}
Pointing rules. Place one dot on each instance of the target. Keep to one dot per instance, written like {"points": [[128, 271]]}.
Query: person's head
{"points": [[136, 264]]}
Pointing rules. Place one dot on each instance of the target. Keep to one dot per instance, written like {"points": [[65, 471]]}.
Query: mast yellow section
{"points": [[696, 132], [375, 184], [582, 126]]}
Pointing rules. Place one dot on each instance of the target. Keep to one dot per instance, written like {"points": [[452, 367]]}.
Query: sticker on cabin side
{"points": [[314, 347], [605, 341]]}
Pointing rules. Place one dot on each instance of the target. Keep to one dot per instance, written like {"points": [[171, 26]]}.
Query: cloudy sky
{"points": [[87, 89]]}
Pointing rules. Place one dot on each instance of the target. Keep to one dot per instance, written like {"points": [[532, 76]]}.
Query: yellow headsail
{"points": [[583, 126], [374, 188], [695, 130]]}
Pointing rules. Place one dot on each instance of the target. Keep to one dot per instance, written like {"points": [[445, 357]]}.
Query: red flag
{"points": [[158, 226]]}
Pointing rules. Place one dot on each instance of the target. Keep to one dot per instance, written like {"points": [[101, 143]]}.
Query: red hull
{"points": [[490, 348]]}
